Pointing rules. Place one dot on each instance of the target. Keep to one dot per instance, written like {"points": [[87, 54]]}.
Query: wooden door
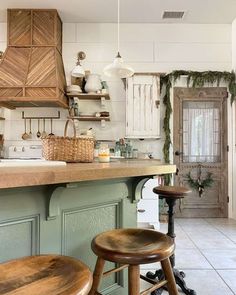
{"points": [[143, 106], [200, 150]]}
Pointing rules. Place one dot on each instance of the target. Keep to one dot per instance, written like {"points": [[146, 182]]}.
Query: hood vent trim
{"points": [[31, 70]]}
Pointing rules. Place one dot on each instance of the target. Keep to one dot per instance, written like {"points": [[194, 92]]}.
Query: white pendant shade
{"points": [[118, 69], [78, 71]]}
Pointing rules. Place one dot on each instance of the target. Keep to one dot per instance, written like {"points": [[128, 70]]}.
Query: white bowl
{"points": [[74, 88]]}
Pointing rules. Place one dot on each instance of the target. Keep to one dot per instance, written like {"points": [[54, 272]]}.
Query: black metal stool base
{"points": [[179, 278]]}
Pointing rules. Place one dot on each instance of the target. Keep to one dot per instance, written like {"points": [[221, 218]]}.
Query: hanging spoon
{"points": [[51, 134], [30, 132], [38, 134], [44, 133], [25, 135]]}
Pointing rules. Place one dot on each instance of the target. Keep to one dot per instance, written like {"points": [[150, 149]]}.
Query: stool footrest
{"points": [[114, 270], [156, 285]]}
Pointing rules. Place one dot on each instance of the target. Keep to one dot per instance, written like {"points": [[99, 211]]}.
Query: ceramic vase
{"points": [[93, 83]]}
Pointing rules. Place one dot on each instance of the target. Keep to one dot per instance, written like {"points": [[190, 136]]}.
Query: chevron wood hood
{"points": [[31, 70]]}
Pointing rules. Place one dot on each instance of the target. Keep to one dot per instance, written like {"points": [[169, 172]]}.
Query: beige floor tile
{"points": [[206, 251], [191, 259], [229, 276], [221, 259]]}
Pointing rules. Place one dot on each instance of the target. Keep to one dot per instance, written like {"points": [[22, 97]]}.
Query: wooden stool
{"points": [[45, 274], [171, 194], [130, 248]]}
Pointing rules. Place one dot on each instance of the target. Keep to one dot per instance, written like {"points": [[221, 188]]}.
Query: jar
{"points": [[93, 83], [135, 153], [104, 154], [96, 149]]}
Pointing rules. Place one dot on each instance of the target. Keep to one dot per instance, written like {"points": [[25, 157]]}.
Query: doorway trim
{"points": [[210, 93]]}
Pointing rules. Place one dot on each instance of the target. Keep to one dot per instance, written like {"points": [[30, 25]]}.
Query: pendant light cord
{"points": [[118, 28]]}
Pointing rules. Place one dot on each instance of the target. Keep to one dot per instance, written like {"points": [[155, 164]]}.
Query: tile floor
{"points": [[206, 251]]}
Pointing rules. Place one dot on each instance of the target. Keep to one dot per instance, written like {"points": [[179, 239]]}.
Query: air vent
{"points": [[173, 14]]}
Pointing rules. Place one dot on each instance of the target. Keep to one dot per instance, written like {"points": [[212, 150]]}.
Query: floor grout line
{"points": [[219, 272], [200, 251], [221, 232]]}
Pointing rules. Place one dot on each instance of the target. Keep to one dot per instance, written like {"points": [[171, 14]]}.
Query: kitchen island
{"points": [[60, 209]]}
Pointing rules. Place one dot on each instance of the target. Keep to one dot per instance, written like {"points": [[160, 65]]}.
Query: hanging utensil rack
{"points": [[41, 118]]}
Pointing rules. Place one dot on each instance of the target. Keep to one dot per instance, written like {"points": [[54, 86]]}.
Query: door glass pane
{"points": [[201, 131]]}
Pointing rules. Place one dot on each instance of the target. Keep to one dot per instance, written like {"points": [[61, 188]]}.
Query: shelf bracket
{"points": [[53, 203], [103, 102], [137, 187], [103, 124]]}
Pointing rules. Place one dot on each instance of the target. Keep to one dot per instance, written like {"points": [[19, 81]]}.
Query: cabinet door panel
{"points": [[143, 107], [148, 211]]}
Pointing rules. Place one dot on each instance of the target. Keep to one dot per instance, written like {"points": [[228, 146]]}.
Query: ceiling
{"points": [[132, 11]]}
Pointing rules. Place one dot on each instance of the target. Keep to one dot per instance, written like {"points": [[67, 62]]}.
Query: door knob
{"points": [[178, 153]]}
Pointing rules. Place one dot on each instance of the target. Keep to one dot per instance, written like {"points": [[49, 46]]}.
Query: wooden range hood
{"points": [[31, 71]]}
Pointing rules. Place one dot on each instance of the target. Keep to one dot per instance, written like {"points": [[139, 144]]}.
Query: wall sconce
{"points": [[78, 70]]}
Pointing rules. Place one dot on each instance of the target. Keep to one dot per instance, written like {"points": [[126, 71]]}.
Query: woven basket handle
{"points": [[66, 127]]}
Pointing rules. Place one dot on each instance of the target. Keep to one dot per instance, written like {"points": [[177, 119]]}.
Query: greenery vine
{"points": [[194, 79]]}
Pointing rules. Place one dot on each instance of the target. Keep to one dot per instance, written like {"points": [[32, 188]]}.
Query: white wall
{"points": [[233, 167], [148, 48]]}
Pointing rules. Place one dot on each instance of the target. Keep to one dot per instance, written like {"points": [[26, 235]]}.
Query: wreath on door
{"points": [[200, 184]]}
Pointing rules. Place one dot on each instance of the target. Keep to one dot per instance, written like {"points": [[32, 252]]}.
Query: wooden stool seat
{"points": [[45, 274], [177, 192], [132, 246]]}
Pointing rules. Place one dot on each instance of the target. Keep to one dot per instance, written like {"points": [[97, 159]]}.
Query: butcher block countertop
{"points": [[31, 176]]}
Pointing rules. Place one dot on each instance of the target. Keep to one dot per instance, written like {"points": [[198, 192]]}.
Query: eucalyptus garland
{"points": [[194, 79]]}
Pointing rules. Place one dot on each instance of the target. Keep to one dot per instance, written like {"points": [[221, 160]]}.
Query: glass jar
{"points": [[104, 154], [135, 153]]}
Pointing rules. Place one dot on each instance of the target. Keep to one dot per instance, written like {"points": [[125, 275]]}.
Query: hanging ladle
{"points": [[44, 133], [38, 134], [51, 134], [25, 135], [30, 132]]}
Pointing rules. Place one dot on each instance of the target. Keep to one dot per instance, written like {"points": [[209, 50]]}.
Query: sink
{"points": [[31, 162]]}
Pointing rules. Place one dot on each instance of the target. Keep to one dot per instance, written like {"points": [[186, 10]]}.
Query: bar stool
{"points": [[171, 194], [45, 274], [130, 248]]}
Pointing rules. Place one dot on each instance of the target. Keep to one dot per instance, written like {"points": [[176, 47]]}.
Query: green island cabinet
{"points": [[65, 212]]}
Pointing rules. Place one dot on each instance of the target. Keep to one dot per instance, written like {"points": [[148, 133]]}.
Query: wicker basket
{"points": [[68, 149]]}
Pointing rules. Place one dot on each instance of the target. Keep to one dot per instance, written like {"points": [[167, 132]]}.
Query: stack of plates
{"points": [[73, 89]]}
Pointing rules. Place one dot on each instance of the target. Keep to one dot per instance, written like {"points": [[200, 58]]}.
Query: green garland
{"points": [[199, 184], [194, 79]]}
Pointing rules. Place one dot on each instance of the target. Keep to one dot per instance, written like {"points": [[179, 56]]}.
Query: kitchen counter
{"points": [[30, 176], [60, 209]]}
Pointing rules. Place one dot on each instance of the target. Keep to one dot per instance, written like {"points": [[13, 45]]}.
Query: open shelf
{"points": [[90, 118], [90, 96]]}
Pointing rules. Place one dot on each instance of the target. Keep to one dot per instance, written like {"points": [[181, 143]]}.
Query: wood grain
{"points": [[33, 59], [213, 202], [133, 246], [45, 274], [31, 176], [172, 191]]}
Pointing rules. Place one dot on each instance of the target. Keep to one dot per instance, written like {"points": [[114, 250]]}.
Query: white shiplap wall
{"points": [[147, 47]]}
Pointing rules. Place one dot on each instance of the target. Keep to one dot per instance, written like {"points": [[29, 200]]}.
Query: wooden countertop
{"points": [[30, 176]]}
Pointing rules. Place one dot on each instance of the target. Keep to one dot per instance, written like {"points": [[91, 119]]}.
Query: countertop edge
{"points": [[36, 176]]}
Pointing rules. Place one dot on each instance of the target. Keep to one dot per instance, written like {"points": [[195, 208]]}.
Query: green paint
{"points": [[79, 211]]}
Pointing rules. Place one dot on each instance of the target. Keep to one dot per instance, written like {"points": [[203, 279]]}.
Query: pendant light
{"points": [[118, 69]]}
